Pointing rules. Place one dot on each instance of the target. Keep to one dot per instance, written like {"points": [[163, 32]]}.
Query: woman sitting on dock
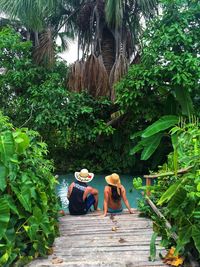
{"points": [[113, 193]]}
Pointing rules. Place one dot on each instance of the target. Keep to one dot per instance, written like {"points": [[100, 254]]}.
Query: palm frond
{"points": [[31, 13], [114, 13], [65, 38]]}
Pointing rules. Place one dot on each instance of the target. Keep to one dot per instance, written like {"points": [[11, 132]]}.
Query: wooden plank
{"points": [[74, 263], [92, 240], [156, 175]]}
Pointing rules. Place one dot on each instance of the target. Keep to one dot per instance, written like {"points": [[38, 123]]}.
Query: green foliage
{"points": [[178, 195], [69, 122], [152, 135], [162, 124], [28, 203], [137, 183], [114, 13], [166, 81], [169, 66], [153, 247]]}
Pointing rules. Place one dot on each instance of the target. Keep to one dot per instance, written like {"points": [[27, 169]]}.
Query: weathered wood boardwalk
{"points": [[93, 240]]}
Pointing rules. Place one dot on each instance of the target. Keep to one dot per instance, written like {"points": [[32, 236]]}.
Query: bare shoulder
{"points": [[71, 185], [106, 188]]}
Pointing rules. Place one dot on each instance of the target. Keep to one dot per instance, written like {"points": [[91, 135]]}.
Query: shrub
{"points": [[28, 203]]}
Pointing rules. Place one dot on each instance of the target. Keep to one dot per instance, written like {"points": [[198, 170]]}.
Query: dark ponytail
{"points": [[115, 196]]}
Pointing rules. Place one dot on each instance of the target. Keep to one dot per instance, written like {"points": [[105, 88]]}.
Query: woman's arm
{"points": [[70, 190], [124, 197], [105, 203]]}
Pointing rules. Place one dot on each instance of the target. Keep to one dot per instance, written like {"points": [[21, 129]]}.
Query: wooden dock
{"points": [[93, 240]]}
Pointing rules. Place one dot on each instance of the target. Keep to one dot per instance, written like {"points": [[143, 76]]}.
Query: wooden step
{"points": [[93, 240]]}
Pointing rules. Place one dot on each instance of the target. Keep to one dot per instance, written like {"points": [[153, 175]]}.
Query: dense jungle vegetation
{"points": [[130, 105]]}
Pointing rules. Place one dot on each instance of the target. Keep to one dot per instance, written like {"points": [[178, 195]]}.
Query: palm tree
{"points": [[42, 22], [110, 31]]}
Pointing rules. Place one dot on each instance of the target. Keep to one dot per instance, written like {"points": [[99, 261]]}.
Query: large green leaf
{"points": [[162, 124], [176, 202], [22, 141], [151, 147], [184, 235], [3, 173], [24, 196], [4, 216], [196, 236], [169, 193], [11, 203], [184, 99], [136, 148], [153, 247], [7, 147]]}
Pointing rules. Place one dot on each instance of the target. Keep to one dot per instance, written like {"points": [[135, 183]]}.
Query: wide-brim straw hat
{"points": [[114, 180], [84, 176]]}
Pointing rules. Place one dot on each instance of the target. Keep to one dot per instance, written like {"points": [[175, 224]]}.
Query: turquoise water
{"points": [[99, 183]]}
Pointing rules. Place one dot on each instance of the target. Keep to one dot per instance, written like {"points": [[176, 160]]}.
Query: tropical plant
{"points": [[169, 66], [177, 192], [152, 135], [110, 31], [107, 29], [166, 82], [35, 97], [43, 29], [28, 203]]}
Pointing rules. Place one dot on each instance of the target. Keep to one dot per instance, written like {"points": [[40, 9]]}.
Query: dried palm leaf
{"points": [[95, 77], [71, 77], [44, 52], [118, 70], [75, 82], [103, 88]]}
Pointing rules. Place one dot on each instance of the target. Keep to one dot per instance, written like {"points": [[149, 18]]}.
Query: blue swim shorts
{"points": [[90, 201]]}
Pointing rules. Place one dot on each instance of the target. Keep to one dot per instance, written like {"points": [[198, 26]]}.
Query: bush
{"points": [[28, 203]]}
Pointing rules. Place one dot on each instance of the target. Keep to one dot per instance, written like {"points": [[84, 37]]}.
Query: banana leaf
{"points": [[184, 99], [151, 147], [4, 216], [162, 124], [169, 193]]}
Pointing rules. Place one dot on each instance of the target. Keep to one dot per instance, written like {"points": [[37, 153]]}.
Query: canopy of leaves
{"points": [[170, 65], [74, 125]]}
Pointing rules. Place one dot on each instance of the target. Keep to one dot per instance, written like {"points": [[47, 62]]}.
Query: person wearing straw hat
{"points": [[81, 196], [113, 193]]}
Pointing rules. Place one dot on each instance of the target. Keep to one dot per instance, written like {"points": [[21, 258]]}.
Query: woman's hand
{"points": [[131, 211]]}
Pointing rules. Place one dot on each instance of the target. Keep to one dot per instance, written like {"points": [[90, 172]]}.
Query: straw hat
{"points": [[84, 176], [114, 180]]}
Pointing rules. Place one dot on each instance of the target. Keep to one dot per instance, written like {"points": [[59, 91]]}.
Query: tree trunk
{"points": [[108, 49]]}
